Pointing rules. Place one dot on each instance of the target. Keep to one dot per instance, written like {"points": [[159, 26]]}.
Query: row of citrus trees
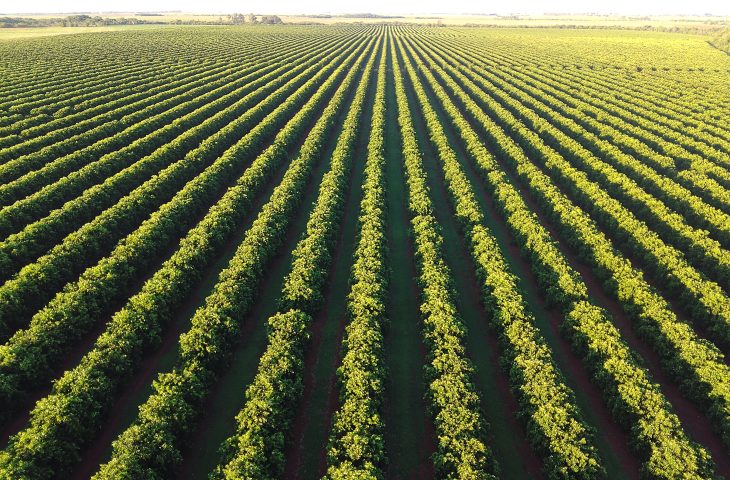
{"points": [[704, 298], [75, 102], [64, 422], [685, 146], [694, 363], [461, 431], [84, 98], [356, 446], [58, 99], [648, 114], [31, 82], [61, 94], [594, 113], [256, 449], [637, 403], [634, 181], [106, 98], [53, 330], [95, 140], [694, 92]]}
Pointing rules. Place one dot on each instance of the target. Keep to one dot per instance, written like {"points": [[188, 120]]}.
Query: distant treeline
{"points": [[97, 21], [70, 21], [239, 19]]}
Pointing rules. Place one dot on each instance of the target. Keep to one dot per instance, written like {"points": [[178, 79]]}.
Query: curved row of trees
{"points": [[600, 119], [660, 100], [623, 175], [684, 146], [657, 119], [669, 155], [703, 298]]}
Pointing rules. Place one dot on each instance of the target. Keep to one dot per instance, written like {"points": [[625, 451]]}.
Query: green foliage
{"points": [[70, 21], [594, 336], [207, 346], [175, 132], [135, 329], [704, 298], [37, 281], [256, 450], [554, 423], [462, 450], [72, 313], [106, 171], [356, 446]]}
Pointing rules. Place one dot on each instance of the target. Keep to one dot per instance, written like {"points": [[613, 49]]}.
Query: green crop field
{"points": [[364, 251]]}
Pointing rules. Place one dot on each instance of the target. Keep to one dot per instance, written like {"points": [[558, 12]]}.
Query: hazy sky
{"points": [[717, 7]]}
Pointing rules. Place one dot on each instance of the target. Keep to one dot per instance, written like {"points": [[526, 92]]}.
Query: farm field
{"points": [[25, 33], [364, 251]]}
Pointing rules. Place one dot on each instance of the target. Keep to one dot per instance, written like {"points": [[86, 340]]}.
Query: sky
{"points": [[626, 7]]}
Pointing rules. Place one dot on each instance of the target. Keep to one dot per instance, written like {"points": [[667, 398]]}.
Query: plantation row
{"points": [[172, 219]]}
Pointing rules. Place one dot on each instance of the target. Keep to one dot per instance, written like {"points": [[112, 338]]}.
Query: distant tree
{"points": [[271, 19], [238, 19], [78, 20], [252, 18]]}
